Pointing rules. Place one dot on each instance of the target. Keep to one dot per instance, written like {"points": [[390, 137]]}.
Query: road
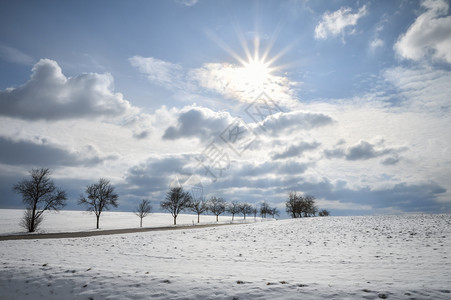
{"points": [[82, 234]]}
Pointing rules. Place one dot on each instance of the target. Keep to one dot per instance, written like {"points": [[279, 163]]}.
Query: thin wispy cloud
{"points": [[15, 55], [340, 22]]}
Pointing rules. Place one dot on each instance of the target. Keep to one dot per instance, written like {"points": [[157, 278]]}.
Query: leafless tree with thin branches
{"points": [[199, 206], [217, 206], [233, 208], [39, 194], [176, 201], [144, 208], [101, 196]]}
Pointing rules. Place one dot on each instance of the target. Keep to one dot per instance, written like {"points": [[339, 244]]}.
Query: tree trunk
{"points": [[217, 218], [141, 223], [233, 216], [198, 218], [33, 218], [98, 218], [175, 220]]}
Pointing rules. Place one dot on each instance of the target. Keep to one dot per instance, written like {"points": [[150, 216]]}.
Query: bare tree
{"points": [[324, 213], [255, 211], [292, 205], [176, 201], [199, 206], [245, 209], [39, 194], [264, 209], [217, 206], [274, 212], [233, 208], [101, 196], [299, 206], [143, 209]]}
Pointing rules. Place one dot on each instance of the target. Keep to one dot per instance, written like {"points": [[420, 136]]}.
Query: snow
{"points": [[71, 221], [371, 257]]}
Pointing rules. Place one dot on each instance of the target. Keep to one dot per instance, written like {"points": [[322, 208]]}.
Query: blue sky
{"points": [[345, 100]]}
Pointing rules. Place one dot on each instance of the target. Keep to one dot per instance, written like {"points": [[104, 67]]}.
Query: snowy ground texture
{"points": [[388, 257]]}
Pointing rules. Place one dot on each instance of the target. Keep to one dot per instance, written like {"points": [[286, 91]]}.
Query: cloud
{"points": [[376, 43], [49, 95], [229, 80], [187, 2], [40, 153], [295, 150], [198, 122], [364, 151], [429, 35], [159, 71], [336, 23], [237, 82], [421, 89], [153, 175], [390, 161], [405, 197], [15, 56], [282, 123]]}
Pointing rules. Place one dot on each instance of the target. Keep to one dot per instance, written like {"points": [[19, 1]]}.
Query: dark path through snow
{"points": [[82, 234]]}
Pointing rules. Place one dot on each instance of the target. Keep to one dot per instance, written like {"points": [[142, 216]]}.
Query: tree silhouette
{"points": [[143, 209], [233, 208], [298, 206], [199, 206], [101, 196], [39, 194], [176, 201], [246, 209], [217, 206], [324, 213]]}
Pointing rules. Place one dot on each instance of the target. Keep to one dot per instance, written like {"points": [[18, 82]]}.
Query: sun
{"points": [[256, 71]]}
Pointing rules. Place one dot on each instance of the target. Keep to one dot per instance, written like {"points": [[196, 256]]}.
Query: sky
{"points": [[348, 101]]}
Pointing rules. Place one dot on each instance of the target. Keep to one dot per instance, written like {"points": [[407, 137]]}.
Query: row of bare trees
{"points": [[39, 194], [178, 200]]}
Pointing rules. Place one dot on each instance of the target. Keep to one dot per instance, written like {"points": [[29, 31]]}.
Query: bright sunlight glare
{"points": [[256, 72]]}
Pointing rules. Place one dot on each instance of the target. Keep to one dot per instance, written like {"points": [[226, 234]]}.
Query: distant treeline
{"points": [[39, 194]]}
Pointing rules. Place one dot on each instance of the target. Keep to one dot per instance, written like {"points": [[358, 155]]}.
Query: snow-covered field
{"points": [[393, 257], [70, 221]]}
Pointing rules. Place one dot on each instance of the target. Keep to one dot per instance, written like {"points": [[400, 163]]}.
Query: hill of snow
{"points": [[393, 257]]}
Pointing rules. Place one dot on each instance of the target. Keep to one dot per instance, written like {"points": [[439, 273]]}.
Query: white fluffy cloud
{"points": [[430, 34], [337, 22], [50, 95]]}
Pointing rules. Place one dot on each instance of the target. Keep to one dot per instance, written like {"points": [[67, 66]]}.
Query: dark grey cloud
{"points": [[197, 122], [293, 121], [295, 150], [154, 175], [26, 153], [142, 135], [364, 151], [388, 161], [420, 197], [50, 95]]}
